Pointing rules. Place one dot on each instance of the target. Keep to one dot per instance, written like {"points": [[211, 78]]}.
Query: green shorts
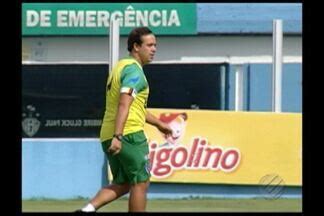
{"points": [[131, 165]]}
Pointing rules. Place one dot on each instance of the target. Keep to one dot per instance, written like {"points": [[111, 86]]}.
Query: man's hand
{"points": [[115, 146], [165, 128]]}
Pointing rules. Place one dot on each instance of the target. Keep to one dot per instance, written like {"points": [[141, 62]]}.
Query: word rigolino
{"points": [[198, 156]]}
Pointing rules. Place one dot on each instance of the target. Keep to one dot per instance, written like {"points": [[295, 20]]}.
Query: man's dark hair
{"points": [[135, 36]]}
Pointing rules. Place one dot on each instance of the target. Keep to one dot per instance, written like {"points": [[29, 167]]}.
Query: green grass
{"points": [[173, 205]]}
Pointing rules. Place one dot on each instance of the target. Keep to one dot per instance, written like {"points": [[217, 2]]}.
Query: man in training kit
{"points": [[122, 134]]}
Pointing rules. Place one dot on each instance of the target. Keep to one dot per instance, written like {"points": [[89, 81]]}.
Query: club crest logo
{"points": [[30, 124]]}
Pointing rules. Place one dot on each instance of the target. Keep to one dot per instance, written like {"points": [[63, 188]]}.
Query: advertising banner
{"points": [[226, 147], [94, 18]]}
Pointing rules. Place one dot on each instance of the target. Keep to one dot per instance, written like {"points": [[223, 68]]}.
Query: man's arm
{"points": [[125, 102], [163, 127], [151, 119]]}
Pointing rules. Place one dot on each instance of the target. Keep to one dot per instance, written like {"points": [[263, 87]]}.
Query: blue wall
{"points": [[248, 17], [256, 18], [258, 87], [62, 169], [292, 88]]}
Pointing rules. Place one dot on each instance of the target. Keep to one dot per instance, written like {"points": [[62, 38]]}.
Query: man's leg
{"points": [[137, 197], [108, 194]]}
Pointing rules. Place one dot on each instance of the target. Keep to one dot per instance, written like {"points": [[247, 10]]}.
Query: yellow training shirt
{"points": [[126, 77]]}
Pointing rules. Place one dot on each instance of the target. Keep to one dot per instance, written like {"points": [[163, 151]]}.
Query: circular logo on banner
{"points": [[271, 186]]}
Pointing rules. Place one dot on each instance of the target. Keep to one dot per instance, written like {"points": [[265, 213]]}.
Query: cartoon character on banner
{"points": [[178, 123]]}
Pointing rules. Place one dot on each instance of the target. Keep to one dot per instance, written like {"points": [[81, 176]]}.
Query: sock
{"points": [[88, 208]]}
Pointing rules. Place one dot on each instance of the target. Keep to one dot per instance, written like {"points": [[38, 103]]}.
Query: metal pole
{"points": [[113, 43], [277, 66], [239, 87], [113, 59]]}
